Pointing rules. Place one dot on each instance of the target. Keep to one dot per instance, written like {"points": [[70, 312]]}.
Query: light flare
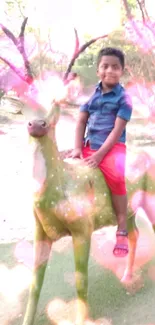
{"points": [[75, 208], [39, 93], [137, 165], [64, 313], [13, 281]]}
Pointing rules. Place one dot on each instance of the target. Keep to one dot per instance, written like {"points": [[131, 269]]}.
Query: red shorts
{"points": [[112, 166]]}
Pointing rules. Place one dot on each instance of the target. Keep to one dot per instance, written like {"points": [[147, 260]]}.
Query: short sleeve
{"points": [[84, 108], [125, 107]]}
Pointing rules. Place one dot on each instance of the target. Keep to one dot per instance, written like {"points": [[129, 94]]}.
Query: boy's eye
{"points": [[115, 66], [104, 66]]}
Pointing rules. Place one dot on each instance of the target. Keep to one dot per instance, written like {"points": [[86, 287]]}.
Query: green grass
{"points": [[107, 298]]}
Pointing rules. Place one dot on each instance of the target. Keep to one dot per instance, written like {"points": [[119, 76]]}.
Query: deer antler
{"points": [[19, 43], [78, 50]]}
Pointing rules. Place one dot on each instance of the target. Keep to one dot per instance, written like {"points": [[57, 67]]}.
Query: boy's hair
{"points": [[111, 51]]}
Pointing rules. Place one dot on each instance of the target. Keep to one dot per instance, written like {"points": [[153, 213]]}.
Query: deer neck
{"points": [[48, 169]]}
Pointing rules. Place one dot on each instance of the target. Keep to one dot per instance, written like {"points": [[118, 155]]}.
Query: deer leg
{"points": [[81, 244], [42, 248], [132, 242]]}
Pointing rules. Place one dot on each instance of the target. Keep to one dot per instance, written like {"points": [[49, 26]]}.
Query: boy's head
{"points": [[110, 66]]}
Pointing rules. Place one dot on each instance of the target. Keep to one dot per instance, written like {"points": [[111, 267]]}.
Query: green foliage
{"points": [[137, 63], [44, 63]]}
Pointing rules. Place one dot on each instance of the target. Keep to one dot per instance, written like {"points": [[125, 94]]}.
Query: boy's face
{"points": [[109, 70]]}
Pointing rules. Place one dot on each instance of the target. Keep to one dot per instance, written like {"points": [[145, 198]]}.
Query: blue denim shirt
{"points": [[103, 110]]}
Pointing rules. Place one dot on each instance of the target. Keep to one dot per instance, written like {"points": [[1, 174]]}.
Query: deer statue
{"points": [[70, 199]]}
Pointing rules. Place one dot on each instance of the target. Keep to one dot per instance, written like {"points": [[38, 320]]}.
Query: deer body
{"points": [[69, 200]]}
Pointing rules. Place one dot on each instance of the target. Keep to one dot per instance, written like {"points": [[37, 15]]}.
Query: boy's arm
{"points": [[80, 129], [123, 116], [113, 137]]}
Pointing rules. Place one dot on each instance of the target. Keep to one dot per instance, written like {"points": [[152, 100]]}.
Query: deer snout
{"points": [[37, 128]]}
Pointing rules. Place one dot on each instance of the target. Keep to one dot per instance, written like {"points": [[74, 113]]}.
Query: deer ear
{"points": [[58, 110], [54, 112]]}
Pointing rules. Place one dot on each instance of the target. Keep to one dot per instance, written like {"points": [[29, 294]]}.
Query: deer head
{"points": [[42, 125]]}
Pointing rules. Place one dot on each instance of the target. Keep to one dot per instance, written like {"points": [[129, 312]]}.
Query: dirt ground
{"points": [[15, 209]]}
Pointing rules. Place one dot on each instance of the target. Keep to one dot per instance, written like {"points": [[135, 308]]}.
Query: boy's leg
{"points": [[113, 168], [114, 181], [120, 207]]}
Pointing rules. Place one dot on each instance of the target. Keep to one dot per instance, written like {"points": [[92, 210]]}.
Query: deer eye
{"points": [[43, 124]]}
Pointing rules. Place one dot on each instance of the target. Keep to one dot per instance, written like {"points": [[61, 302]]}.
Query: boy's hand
{"points": [[94, 160], [76, 153]]}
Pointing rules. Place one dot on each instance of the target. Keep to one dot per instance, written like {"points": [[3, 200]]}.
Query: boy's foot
{"points": [[121, 247]]}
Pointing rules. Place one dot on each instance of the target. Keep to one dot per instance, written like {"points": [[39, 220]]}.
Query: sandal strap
{"points": [[122, 233], [121, 246]]}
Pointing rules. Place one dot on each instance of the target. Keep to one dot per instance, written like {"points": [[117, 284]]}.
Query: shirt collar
{"points": [[115, 89]]}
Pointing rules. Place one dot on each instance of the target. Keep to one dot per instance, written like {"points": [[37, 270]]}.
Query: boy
{"points": [[106, 115]]}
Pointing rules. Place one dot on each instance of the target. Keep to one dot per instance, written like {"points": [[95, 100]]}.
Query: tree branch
{"points": [[127, 9], [19, 7], [141, 9], [76, 41], [144, 9], [144, 14], [22, 31], [13, 68], [78, 51], [21, 48], [130, 18], [9, 34], [19, 43]]}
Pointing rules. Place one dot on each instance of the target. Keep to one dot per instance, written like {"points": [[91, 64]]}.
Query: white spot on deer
{"points": [[74, 208]]}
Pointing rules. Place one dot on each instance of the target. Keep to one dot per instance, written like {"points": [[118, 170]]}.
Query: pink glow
{"points": [[12, 283], [102, 245], [136, 200], [119, 161], [24, 253], [64, 313], [143, 98], [146, 200], [137, 165], [141, 34]]}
